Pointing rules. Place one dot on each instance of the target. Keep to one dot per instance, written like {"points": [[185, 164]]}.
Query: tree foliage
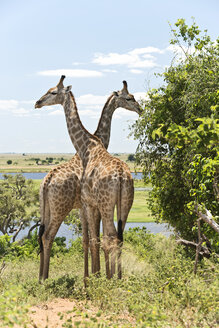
{"points": [[178, 133], [18, 204], [131, 158]]}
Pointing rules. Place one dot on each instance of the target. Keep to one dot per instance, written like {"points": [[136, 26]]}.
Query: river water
{"points": [[41, 175], [65, 231]]}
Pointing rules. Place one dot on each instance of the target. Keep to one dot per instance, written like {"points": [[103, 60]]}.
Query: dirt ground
{"points": [[69, 313]]}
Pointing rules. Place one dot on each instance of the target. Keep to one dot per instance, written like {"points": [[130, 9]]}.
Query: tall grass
{"points": [[158, 288]]}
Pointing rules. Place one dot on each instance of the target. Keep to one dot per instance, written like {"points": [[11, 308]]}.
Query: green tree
{"points": [[131, 157], [178, 133], [9, 162], [18, 204], [49, 159]]}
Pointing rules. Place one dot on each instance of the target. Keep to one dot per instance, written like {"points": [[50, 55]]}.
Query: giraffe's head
{"points": [[126, 100], [54, 95]]}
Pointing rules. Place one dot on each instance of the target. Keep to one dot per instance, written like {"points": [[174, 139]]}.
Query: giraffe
{"points": [[62, 176], [60, 190]]}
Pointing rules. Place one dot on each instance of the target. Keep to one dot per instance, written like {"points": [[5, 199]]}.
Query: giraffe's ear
{"points": [[68, 88]]}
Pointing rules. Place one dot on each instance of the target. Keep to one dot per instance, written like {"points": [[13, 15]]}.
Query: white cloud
{"points": [[14, 107], [29, 102], [147, 50], [136, 71], [77, 63], [109, 70], [20, 112], [89, 113], [137, 58], [57, 112], [71, 73], [8, 104], [91, 100]]}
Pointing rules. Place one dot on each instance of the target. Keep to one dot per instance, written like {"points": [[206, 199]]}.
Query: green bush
{"points": [[167, 292], [13, 309], [29, 248]]}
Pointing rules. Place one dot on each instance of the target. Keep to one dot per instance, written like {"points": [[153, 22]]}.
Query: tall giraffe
{"points": [[60, 190], [62, 95]]}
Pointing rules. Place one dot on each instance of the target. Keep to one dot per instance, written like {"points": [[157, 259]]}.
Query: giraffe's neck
{"points": [[104, 125], [80, 137]]}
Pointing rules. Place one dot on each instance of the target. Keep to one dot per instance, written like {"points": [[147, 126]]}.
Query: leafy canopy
{"points": [[178, 132]]}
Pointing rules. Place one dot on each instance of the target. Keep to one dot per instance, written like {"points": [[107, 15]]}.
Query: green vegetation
{"points": [[131, 158], [139, 211], [178, 136], [158, 288], [19, 204]]}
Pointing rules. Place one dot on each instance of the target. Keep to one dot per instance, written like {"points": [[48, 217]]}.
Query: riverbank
{"points": [[40, 162]]}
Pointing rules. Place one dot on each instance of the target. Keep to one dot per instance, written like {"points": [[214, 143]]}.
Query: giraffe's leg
{"points": [[113, 255], [126, 204], [110, 238], [47, 239], [41, 265], [85, 243], [105, 247], [106, 255], [47, 245], [89, 213], [97, 228]]}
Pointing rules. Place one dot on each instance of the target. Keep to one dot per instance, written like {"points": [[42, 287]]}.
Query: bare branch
{"points": [[198, 247], [18, 230], [204, 251], [208, 218], [32, 228], [2, 268]]}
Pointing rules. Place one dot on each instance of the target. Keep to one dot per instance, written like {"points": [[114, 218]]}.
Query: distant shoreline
{"points": [[44, 162]]}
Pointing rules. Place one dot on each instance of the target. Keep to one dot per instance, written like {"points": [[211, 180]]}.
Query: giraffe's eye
{"points": [[54, 93], [130, 97]]}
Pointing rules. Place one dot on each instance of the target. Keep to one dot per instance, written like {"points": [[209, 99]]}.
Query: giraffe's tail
{"points": [[41, 232], [119, 213], [43, 193]]}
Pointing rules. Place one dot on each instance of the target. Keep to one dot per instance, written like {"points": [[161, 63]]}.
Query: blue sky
{"points": [[96, 44]]}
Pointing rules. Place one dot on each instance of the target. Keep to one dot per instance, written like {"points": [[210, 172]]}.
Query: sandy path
{"points": [[55, 313]]}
